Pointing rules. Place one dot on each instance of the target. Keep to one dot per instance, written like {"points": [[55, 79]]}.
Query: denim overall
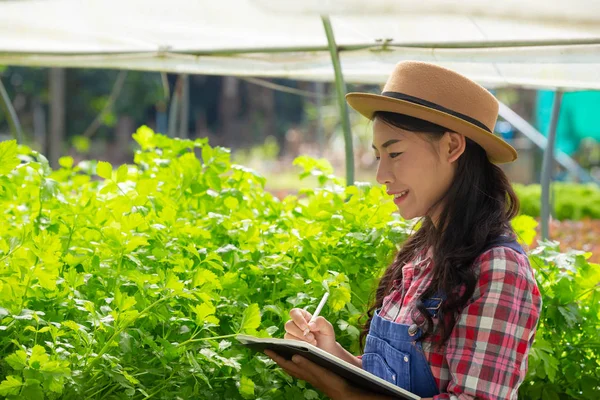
{"points": [[392, 354]]}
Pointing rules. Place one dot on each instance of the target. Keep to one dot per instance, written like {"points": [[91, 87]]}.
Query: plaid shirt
{"points": [[486, 355]]}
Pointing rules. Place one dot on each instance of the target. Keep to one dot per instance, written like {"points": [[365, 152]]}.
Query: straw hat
{"points": [[444, 97]]}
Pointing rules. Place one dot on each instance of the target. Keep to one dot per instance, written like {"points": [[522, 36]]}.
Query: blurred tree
{"points": [[230, 111]]}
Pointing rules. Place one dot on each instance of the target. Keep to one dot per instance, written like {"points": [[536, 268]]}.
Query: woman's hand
{"points": [[332, 385], [321, 332]]}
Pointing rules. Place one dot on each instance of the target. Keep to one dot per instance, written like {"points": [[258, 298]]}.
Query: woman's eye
{"points": [[392, 155]]}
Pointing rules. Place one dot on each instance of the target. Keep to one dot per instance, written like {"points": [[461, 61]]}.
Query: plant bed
{"points": [[132, 283]]}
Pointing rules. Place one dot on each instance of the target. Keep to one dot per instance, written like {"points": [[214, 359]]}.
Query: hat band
{"points": [[434, 106]]}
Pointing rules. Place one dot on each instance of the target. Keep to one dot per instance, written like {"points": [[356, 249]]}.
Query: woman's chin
{"points": [[409, 214], [405, 214]]}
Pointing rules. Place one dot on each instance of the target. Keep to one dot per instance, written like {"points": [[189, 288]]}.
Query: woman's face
{"points": [[415, 170]]}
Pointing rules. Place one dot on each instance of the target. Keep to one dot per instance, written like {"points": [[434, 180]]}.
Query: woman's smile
{"points": [[400, 197]]}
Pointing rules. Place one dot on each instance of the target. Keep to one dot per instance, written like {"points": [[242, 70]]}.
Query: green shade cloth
{"points": [[579, 118]]}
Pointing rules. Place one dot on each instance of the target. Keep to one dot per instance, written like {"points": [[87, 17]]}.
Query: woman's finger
{"points": [[288, 366], [274, 356], [307, 316], [294, 330], [322, 326], [299, 316], [302, 338]]}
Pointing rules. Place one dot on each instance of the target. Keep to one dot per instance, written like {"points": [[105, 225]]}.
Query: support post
{"points": [[340, 88], [548, 165], [185, 107], [11, 114], [174, 108], [320, 90]]}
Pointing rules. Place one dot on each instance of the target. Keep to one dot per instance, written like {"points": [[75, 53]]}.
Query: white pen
{"points": [[317, 311]]}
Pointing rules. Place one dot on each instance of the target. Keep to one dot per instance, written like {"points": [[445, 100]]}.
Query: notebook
{"points": [[357, 376]]}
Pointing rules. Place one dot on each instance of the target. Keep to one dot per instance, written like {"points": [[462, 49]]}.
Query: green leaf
{"points": [[104, 170], [17, 360], [231, 203], [204, 313], [110, 187], [81, 143], [11, 385], [146, 187], [49, 188], [32, 390], [144, 136], [340, 296], [56, 367], [524, 227], [204, 276], [130, 378], [550, 365], [207, 154], [570, 314], [122, 172], [549, 393], [8, 156], [66, 162], [246, 387], [135, 242], [124, 302], [174, 284], [55, 385], [251, 318], [38, 357]]}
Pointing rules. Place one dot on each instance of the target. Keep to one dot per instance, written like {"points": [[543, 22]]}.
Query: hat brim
{"points": [[367, 104]]}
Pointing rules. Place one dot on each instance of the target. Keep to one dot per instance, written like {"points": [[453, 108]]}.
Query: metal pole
{"points": [[320, 89], [340, 87], [11, 114], [547, 165], [174, 108], [57, 134], [185, 106]]}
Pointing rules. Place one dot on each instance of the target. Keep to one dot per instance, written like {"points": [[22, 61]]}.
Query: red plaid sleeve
{"points": [[487, 352]]}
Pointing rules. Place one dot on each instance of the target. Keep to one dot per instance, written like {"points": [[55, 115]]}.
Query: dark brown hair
{"points": [[477, 208]]}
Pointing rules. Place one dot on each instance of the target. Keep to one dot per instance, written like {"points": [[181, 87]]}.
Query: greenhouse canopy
{"points": [[531, 43]]}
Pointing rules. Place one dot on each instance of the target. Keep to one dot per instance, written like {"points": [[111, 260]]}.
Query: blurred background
{"points": [[91, 113]]}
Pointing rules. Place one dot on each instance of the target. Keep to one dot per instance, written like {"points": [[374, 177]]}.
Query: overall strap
{"points": [[505, 241]]}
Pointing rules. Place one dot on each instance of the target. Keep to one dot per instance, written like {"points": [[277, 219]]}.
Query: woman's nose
{"points": [[384, 175]]}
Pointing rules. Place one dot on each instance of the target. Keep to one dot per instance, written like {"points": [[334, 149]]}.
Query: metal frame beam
{"points": [[541, 141], [349, 47]]}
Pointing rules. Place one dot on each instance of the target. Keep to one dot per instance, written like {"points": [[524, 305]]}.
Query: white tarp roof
{"points": [[532, 43]]}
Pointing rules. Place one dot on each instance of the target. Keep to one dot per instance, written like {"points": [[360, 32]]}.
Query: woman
{"points": [[455, 314]]}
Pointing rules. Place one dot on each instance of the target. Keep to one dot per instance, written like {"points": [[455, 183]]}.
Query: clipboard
{"points": [[357, 376]]}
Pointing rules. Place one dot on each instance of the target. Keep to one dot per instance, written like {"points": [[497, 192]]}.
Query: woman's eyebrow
{"points": [[386, 144]]}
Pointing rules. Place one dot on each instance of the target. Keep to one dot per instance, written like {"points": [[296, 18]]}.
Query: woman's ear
{"points": [[453, 146]]}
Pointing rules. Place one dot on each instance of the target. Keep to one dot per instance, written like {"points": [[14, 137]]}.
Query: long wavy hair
{"points": [[477, 208]]}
